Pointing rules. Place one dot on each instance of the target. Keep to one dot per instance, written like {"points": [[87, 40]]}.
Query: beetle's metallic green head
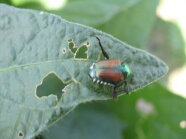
{"points": [[126, 70]]}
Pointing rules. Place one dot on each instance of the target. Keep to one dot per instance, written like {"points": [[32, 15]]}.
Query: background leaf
{"points": [[150, 111], [166, 38], [134, 24], [86, 122]]}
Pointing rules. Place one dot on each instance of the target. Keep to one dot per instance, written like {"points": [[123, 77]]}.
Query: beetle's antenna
{"points": [[103, 51]]}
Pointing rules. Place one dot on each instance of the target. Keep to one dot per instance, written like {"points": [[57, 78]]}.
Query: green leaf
{"points": [[150, 113], [35, 45], [86, 123], [134, 24]]}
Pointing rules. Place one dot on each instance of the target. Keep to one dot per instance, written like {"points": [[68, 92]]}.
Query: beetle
{"points": [[113, 72]]}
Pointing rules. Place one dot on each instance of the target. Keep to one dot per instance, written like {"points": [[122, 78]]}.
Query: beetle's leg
{"points": [[132, 78], [114, 93], [103, 51], [126, 87], [126, 84]]}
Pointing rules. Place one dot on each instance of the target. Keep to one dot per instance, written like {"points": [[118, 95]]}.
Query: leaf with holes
{"points": [[42, 79]]}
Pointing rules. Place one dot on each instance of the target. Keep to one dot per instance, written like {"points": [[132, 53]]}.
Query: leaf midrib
{"points": [[37, 63]]}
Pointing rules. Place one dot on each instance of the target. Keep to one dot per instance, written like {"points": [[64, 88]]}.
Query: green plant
{"points": [[44, 73]]}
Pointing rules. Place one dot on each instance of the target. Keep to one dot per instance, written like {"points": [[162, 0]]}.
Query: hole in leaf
{"points": [[21, 134], [72, 47], [88, 44], [81, 52], [70, 40], [51, 85], [64, 50]]}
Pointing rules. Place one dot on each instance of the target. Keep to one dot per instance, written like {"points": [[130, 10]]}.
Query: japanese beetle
{"points": [[112, 72]]}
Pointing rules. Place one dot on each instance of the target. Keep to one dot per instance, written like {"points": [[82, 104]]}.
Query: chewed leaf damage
{"points": [[51, 85], [79, 52]]}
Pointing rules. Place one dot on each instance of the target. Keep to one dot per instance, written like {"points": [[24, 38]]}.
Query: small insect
{"points": [[113, 72]]}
